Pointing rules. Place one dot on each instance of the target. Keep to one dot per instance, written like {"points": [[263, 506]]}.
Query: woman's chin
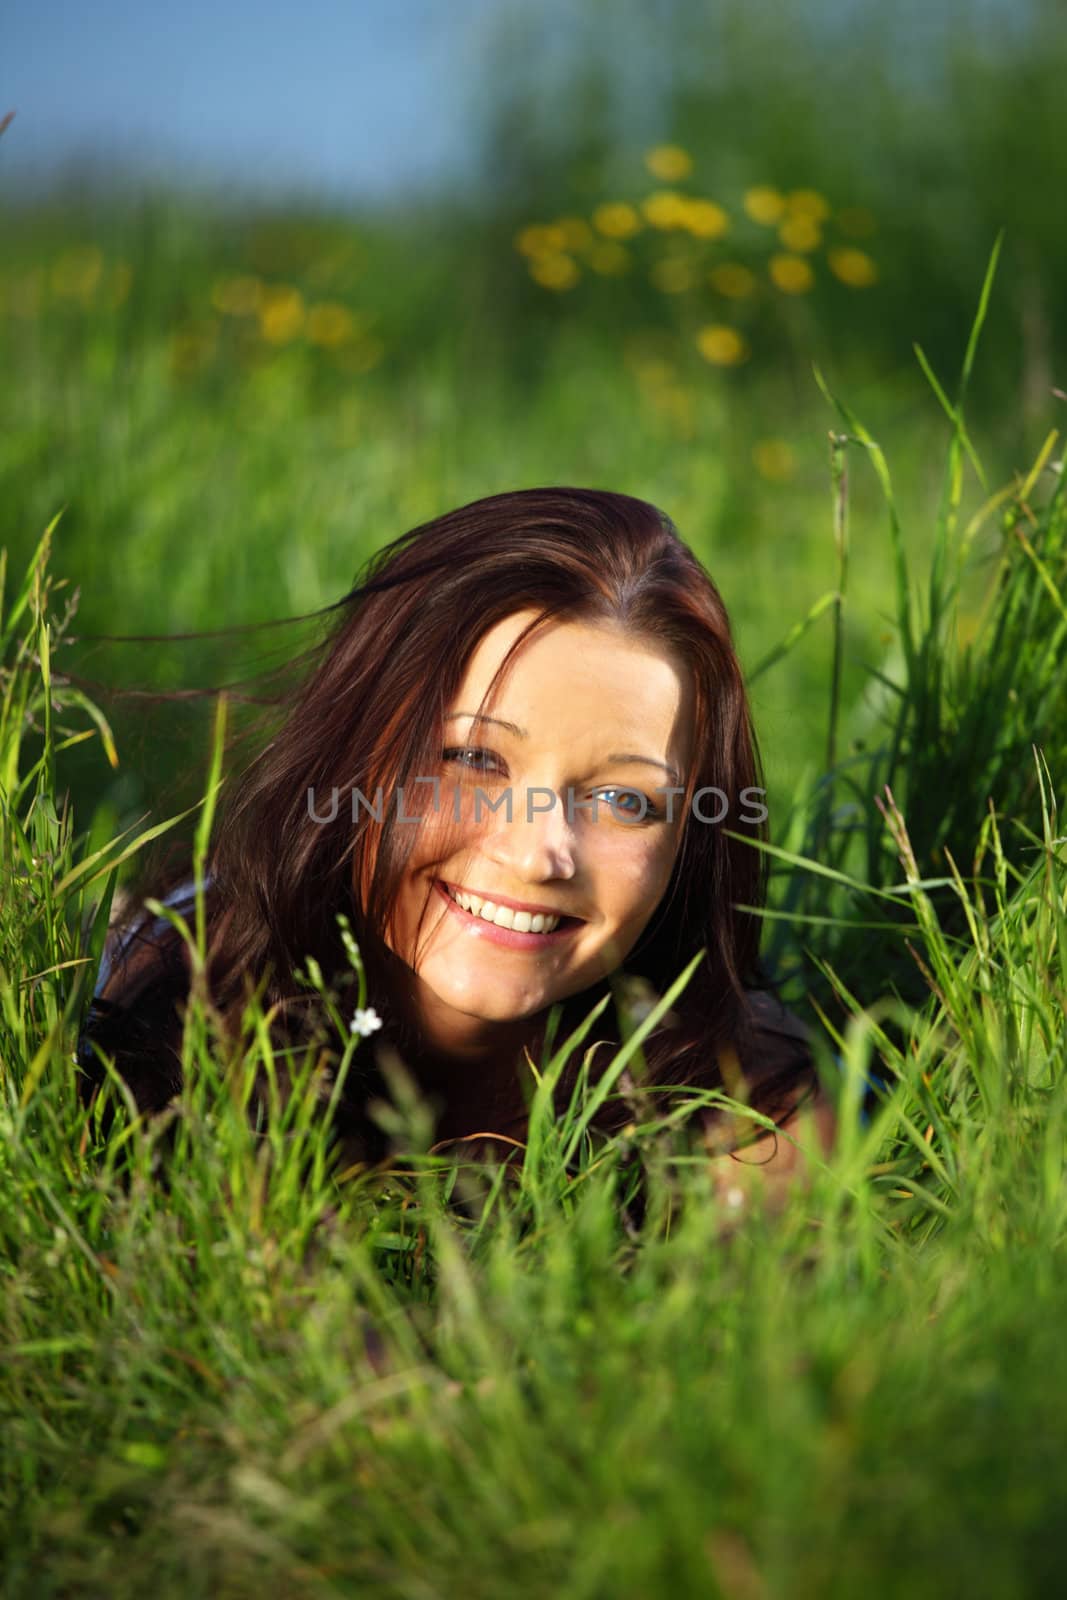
{"points": [[487, 1002]]}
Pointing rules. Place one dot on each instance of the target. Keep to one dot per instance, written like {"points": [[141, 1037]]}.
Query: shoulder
{"points": [[772, 1061]]}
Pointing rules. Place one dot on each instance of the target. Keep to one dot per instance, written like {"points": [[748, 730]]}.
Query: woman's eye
{"points": [[474, 760], [646, 812]]}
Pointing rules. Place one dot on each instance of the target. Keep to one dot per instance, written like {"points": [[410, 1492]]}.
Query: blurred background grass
{"points": [[238, 383]]}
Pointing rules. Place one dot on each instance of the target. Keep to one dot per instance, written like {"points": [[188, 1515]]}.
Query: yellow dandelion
{"points": [[77, 272], [329, 324], [808, 203], [237, 297], [669, 162], [665, 209], [733, 280], [540, 239], [774, 460], [555, 272], [672, 276], [616, 219], [791, 274], [800, 233], [281, 314], [764, 204], [576, 233], [857, 221], [722, 346], [705, 220], [853, 267], [609, 258]]}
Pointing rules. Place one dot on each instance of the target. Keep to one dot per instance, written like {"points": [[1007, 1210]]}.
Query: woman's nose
{"points": [[537, 842]]}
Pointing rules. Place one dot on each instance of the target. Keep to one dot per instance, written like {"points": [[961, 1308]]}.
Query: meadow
{"points": [[424, 1380]]}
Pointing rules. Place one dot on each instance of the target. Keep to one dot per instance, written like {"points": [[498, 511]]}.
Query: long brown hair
{"points": [[369, 715]]}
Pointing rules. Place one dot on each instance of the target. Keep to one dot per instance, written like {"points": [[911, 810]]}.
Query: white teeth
{"points": [[504, 916]]}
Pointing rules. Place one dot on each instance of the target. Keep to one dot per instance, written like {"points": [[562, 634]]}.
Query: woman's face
{"points": [[585, 710]]}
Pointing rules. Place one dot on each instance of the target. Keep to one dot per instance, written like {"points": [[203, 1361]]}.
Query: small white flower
{"points": [[735, 1197], [365, 1021]]}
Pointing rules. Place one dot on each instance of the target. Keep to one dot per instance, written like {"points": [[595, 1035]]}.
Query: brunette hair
{"points": [[370, 712]]}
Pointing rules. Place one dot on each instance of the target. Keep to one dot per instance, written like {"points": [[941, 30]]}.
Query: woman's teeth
{"points": [[503, 916]]}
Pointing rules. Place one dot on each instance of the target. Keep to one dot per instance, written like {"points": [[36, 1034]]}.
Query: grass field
{"points": [[423, 1381]]}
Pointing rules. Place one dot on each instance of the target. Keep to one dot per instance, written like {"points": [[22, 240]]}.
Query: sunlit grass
{"points": [[225, 1363]]}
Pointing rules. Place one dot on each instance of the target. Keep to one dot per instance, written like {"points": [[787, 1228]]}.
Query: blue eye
{"points": [[651, 812]]}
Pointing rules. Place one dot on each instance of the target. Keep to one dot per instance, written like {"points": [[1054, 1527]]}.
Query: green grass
{"points": [[225, 1365], [210, 479]]}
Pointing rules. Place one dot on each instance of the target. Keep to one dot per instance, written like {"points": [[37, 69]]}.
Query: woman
{"points": [[522, 765]]}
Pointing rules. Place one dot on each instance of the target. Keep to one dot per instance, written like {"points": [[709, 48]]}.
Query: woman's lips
{"points": [[510, 938]]}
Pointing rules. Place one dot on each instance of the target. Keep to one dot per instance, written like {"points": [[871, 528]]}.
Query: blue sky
{"points": [[351, 98], [354, 98]]}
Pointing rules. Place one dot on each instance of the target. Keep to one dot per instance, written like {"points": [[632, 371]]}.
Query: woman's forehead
{"points": [[580, 638], [578, 674]]}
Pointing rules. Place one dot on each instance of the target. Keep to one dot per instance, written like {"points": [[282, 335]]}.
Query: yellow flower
{"points": [[577, 234], [774, 460], [555, 272], [540, 239], [665, 209], [705, 220], [672, 275], [669, 162], [791, 274], [853, 267], [722, 346], [808, 203], [800, 233], [617, 219], [237, 297], [77, 272], [281, 314], [763, 204], [733, 280], [609, 258], [329, 324]]}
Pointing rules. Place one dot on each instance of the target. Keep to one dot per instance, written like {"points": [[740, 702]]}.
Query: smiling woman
{"points": [[537, 690]]}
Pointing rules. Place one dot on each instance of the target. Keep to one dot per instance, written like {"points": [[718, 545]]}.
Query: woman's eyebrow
{"points": [[478, 716], [648, 761], [520, 733]]}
